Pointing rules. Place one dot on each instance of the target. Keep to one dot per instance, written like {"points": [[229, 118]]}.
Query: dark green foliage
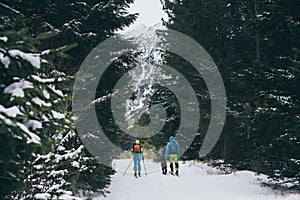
{"points": [[58, 26], [256, 47], [30, 130], [104, 90], [93, 180], [86, 22]]}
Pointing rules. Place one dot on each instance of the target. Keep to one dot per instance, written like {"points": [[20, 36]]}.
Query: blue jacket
{"points": [[172, 147]]}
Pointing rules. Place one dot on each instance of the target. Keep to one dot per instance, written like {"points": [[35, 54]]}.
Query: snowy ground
{"points": [[196, 181]]}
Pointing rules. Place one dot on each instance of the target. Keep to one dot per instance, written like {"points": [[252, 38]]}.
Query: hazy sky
{"points": [[150, 12]]}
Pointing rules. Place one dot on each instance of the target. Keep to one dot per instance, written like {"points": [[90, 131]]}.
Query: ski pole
{"points": [[145, 167], [127, 167]]}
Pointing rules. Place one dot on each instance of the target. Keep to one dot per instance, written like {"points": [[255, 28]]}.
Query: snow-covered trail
{"points": [[196, 181]]}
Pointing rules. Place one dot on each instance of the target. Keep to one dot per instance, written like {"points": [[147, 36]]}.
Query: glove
{"points": [[143, 158]]}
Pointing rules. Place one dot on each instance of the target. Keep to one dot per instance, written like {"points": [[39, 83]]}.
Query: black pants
{"points": [[176, 167], [164, 170]]}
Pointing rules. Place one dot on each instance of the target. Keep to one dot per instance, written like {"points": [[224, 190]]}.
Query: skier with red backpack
{"points": [[137, 156], [173, 153]]}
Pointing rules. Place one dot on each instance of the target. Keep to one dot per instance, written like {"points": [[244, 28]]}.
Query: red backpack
{"points": [[137, 148]]}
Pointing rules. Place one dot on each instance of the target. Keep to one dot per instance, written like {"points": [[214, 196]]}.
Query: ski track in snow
{"points": [[197, 181]]}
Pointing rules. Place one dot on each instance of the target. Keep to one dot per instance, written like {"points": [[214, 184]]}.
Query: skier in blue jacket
{"points": [[137, 156], [173, 153]]}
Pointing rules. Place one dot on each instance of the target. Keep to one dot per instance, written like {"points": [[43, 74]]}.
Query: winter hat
{"points": [[171, 138], [137, 142]]}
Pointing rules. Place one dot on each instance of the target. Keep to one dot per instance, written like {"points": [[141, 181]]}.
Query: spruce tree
{"points": [[256, 47], [32, 104], [86, 23]]}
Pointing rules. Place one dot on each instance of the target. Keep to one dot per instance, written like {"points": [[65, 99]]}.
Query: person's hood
{"points": [[171, 138]]}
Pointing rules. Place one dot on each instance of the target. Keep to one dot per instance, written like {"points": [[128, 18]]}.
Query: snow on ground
{"points": [[196, 181]]}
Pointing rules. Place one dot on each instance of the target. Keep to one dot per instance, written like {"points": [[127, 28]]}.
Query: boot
{"points": [[135, 174], [139, 174], [176, 169], [171, 167]]}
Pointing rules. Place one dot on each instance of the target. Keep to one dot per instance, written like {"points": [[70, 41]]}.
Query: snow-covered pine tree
{"points": [[86, 22], [256, 47], [32, 106], [41, 156], [276, 100], [65, 171]]}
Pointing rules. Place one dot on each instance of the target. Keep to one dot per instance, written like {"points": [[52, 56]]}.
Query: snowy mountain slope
{"points": [[196, 181]]}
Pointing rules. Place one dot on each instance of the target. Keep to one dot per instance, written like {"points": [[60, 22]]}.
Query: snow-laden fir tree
{"points": [[256, 47], [41, 156], [66, 171], [32, 109], [86, 22]]}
